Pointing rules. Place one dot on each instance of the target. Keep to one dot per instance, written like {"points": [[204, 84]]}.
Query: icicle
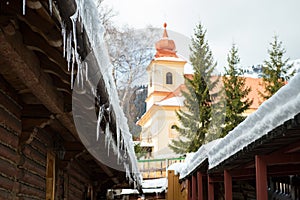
{"points": [[72, 69], [78, 77], [128, 175], [69, 49], [100, 117], [81, 74], [24, 6], [118, 141], [86, 71], [50, 7], [107, 137], [63, 32], [125, 154], [74, 20]]}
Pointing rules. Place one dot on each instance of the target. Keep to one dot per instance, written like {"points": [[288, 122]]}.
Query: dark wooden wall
{"points": [[23, 157]]}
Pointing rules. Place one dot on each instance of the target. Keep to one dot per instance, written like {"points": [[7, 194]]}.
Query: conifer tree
{"points": [[196, 116], [236, 92], [276, 71]]}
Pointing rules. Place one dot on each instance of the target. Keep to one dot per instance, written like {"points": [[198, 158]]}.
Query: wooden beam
{"points": [[34, 41], [25, 65], [261, 178], [170, 194], [228, 185], [210, 188], [282, 158], [194, 187], [200, 185]]}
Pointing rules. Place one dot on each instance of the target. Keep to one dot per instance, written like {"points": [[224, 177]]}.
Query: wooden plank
{"points": [[210, 188], [6, 183], [34, 167], [177, 187], [200, 185], [35, 110], [7, 168], [9, 154], [170, 194], [38, 146], [47, 30], [261, 178], [50, 176], [8, 138], [10, 121], [9, 92], [228, 185], [34, 155], [9, 104], [33, 179], [194, 187], [31, 192]]}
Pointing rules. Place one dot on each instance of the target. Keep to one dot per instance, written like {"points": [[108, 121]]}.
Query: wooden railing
{"points": [[284, 188], [156, 168]]}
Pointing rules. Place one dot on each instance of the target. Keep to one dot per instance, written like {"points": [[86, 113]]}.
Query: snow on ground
{"points": [[155, 183], [282, 106]]}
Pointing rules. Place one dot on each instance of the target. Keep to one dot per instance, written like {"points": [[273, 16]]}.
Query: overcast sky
{"points": [[251, 25]]}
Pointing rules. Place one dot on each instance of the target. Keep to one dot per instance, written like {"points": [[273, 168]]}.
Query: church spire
{"points": [[165, 47]]}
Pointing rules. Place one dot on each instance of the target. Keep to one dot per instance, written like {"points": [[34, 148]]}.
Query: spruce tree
{"points": [[196, 116], [236, 92], [276, 71]]}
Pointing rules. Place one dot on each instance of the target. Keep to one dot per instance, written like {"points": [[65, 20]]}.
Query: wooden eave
{"points": [[281, 148]]}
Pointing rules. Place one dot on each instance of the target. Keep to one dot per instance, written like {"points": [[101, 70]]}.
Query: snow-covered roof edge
{"points": [[88, 13], [282, 106], [198, 158]]}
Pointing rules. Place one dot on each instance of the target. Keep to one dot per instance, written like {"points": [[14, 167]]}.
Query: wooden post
{"points": [[210, 188], [261, 178], [170, 195], [228, 185], [177, 187], [200, 185], [194, 187], [189, 189]]}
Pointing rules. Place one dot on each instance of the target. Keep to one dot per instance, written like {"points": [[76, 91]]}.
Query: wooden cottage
{"points": [[44, 153]]}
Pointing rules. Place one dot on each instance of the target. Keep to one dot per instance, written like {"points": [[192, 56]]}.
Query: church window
{"points": [[169, 78]]}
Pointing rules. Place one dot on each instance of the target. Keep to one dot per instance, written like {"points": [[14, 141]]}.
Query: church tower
{"points": [[165, 72]]}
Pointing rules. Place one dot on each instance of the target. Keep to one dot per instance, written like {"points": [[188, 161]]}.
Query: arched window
{"points": [[169, 78], [172, 131]]}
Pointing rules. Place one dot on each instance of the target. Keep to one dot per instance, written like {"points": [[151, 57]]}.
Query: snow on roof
{"points": [[89, 15], [177, 167], [282, 106], [173, 101], [170, 59], [197, 158]]}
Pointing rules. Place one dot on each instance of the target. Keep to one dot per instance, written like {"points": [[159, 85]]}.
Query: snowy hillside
{"points": [[255, 71]]}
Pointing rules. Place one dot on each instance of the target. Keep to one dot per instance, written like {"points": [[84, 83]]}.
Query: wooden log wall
{"points": [[78, 181], [10, 130], [22, 165]]}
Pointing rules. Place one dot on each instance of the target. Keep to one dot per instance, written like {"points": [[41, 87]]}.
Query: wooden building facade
{"points": [[41, 153]]}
